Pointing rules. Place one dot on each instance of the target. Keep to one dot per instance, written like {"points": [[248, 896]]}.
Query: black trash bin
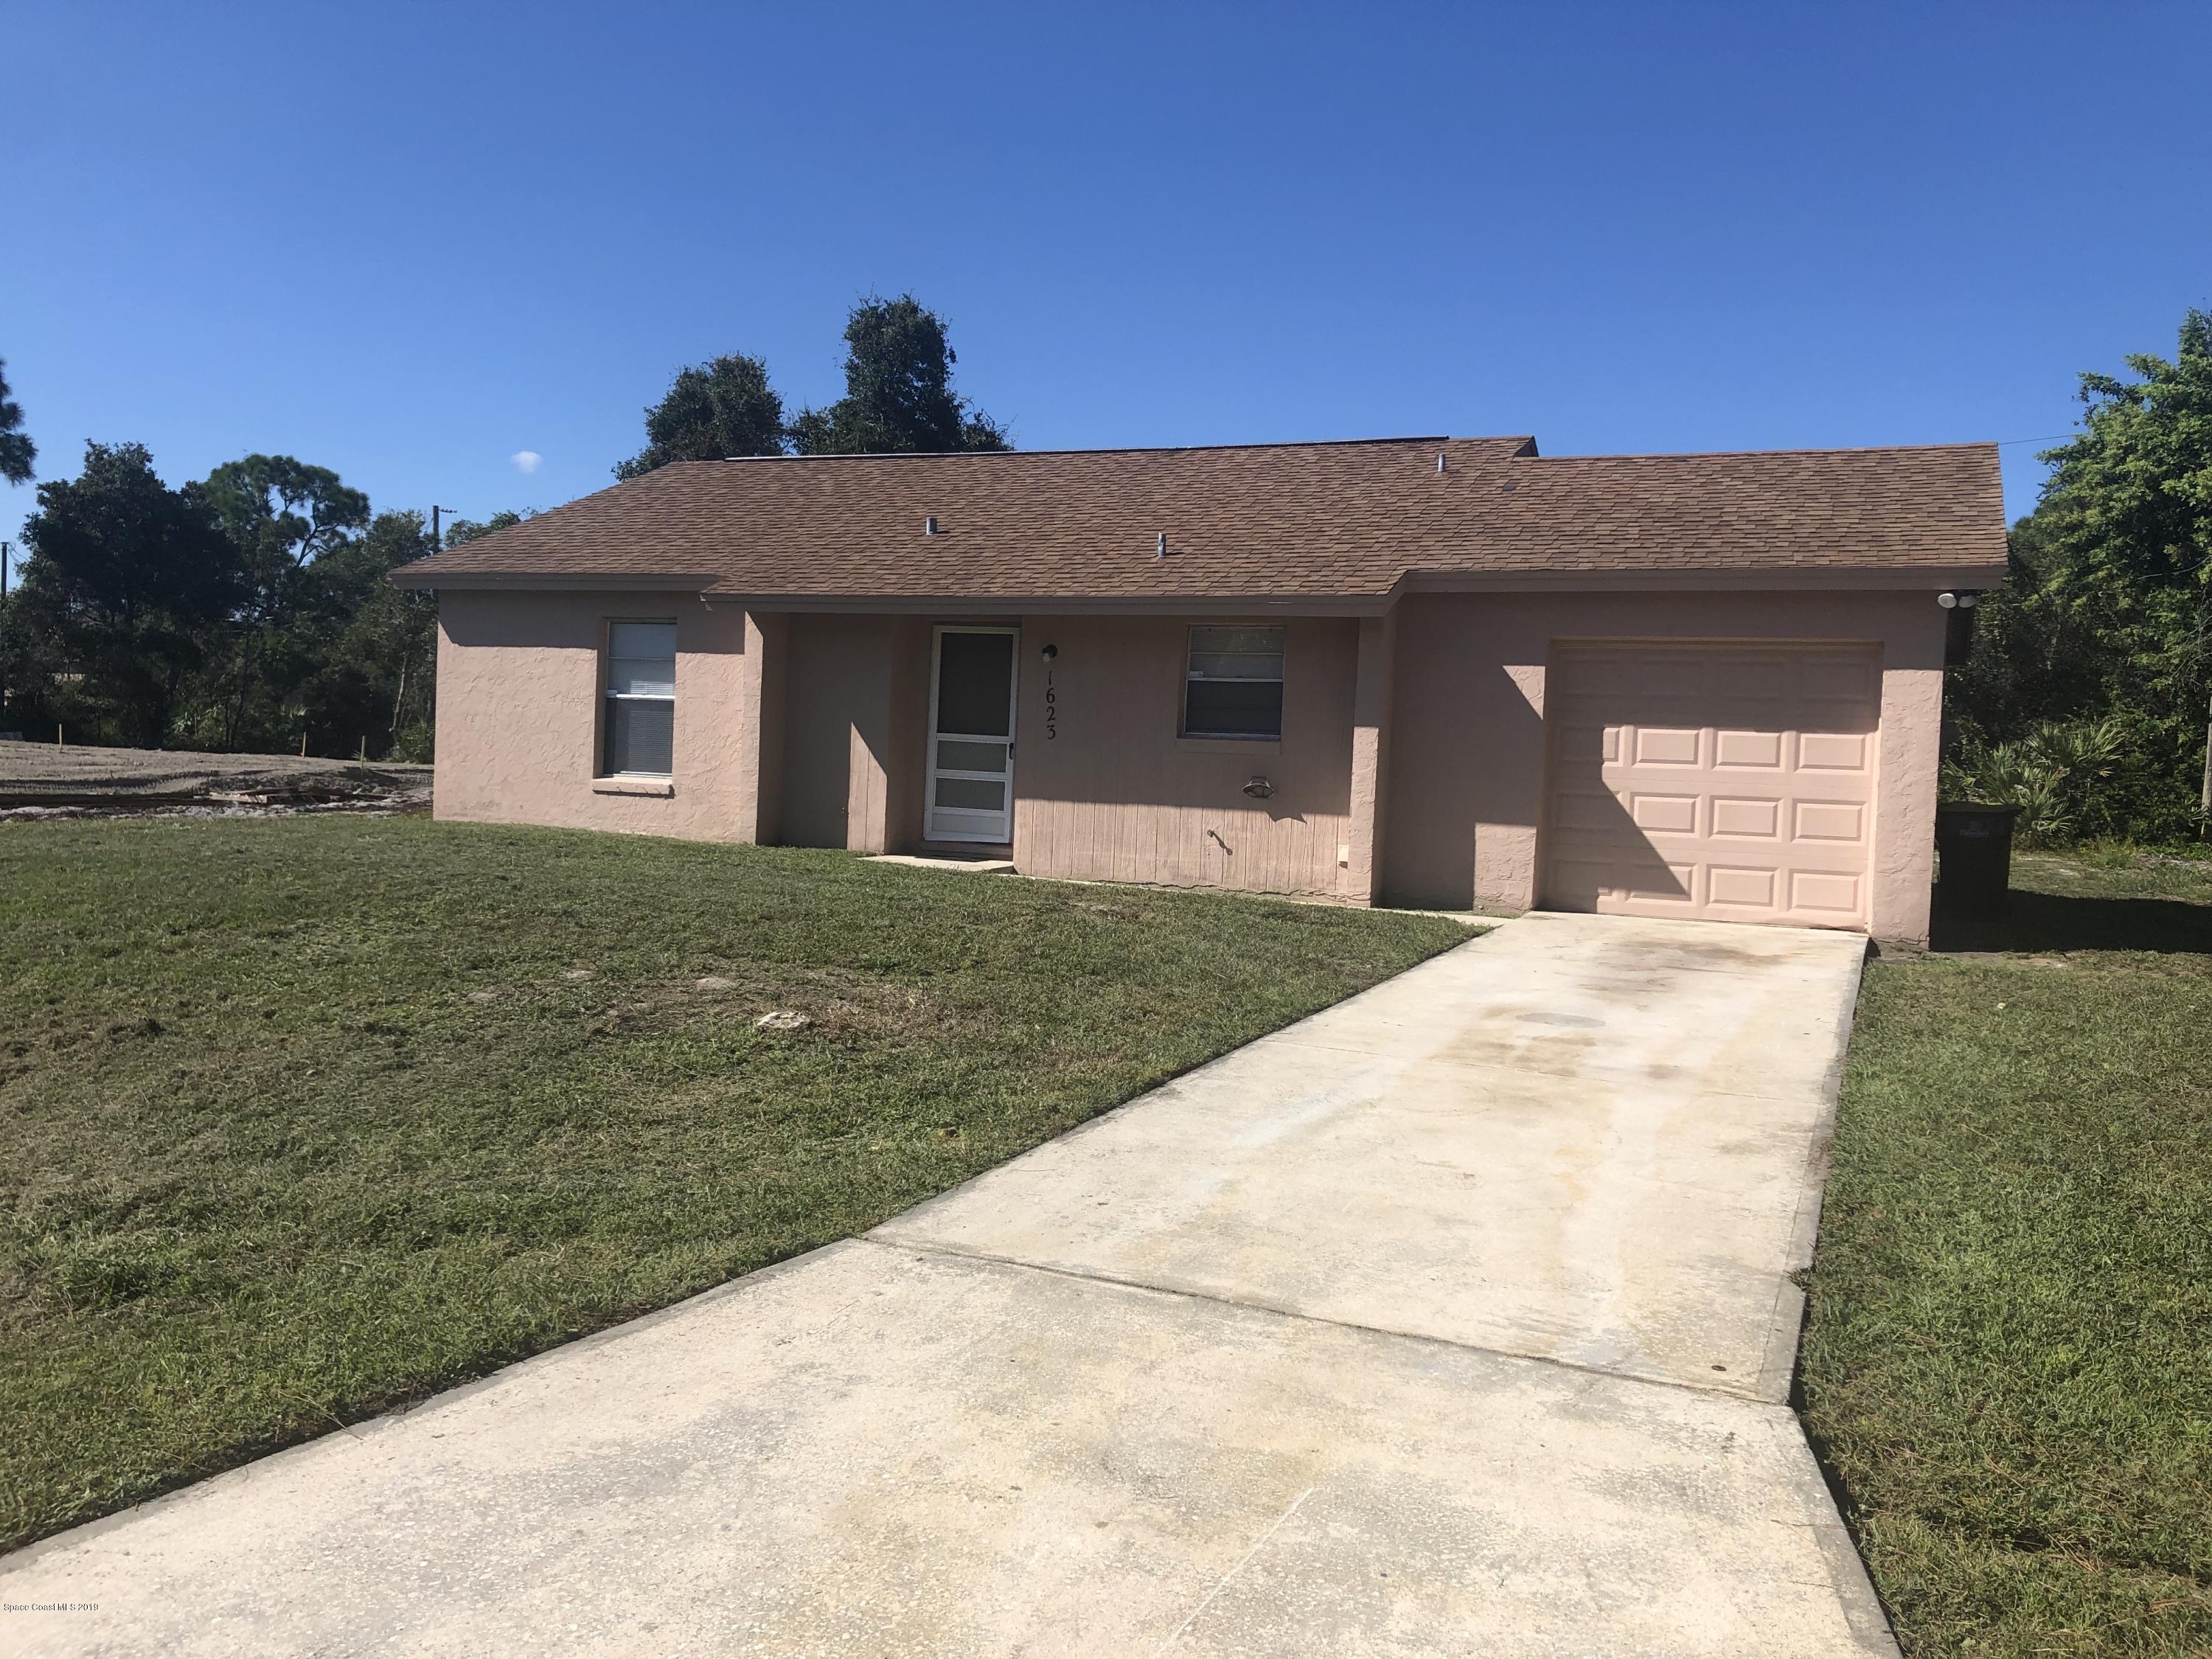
{"points": [[1974, 842]]}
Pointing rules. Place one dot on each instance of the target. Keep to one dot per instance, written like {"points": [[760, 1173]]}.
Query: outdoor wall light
{"points": [[1958, 624], [1049, 652], [1259, 788]]}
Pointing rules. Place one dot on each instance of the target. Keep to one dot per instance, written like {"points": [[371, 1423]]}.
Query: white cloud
{"points": [[525, 460]]}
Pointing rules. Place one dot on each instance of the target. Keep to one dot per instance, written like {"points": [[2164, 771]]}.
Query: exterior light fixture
{"points": [[1958, 623], [1050, 652]]}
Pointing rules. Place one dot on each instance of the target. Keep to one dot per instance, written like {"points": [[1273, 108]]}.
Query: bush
{"points": [[2084, 699], [2057, 775]]}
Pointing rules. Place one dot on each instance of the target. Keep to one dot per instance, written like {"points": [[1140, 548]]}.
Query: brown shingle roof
{"points": [[1296, 520]]}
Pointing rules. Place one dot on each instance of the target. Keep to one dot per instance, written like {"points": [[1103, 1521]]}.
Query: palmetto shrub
{"points": [[2058, 774]]}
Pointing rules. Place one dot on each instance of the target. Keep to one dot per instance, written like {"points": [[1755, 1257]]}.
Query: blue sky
{"points": [[410, 243]]}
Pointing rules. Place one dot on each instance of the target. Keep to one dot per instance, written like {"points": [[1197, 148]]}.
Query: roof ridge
{"points": [[1732, 454], [1120, 449]]}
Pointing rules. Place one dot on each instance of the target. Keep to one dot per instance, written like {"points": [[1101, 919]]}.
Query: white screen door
{"points": [[971, 736]]}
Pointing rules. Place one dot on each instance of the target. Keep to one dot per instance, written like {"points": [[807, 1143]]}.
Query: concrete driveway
{"points": [[1455, 1319]]}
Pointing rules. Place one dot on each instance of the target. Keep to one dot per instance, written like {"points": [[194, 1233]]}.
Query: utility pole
{"points": [[437, 544], [6, 550]]}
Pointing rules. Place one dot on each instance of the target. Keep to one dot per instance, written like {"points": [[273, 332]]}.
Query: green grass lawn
{"points": [[2010, 1355], [305, 1117]]}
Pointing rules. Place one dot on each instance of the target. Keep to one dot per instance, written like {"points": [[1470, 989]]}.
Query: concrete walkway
{"points": [[1457, 1319]]}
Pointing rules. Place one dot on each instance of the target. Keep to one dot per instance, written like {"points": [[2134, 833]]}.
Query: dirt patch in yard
{"points": [[40, 780]]}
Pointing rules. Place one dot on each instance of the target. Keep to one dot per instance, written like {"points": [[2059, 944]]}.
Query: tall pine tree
{"points": [[898, 391]]}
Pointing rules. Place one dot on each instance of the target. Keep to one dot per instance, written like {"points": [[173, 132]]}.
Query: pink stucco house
{"points": [[1443, 673]]}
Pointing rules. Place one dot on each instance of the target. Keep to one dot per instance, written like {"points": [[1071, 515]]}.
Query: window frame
{"points": [[608, 697], [1183, 731]]}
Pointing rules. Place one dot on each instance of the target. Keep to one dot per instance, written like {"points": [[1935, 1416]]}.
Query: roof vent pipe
{"points": [[1162, 553], [1440, 460], [929, 525]]}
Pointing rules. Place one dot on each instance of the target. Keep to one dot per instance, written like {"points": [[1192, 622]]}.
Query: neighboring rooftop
{"points": [[1308, 520]]}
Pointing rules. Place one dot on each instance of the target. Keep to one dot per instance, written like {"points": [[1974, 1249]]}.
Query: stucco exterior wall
{"points": [[856, 699], [1466, 740], [1108, 791], [518, 712], [1410, 771]]}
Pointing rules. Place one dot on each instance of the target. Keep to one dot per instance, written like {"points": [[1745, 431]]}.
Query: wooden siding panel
{"points": [[1116, 795]]}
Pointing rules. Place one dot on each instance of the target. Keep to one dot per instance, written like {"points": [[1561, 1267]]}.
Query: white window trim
{"points": [[605, 771]]}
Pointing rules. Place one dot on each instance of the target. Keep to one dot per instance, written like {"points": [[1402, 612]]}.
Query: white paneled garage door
{"points": [[1722, 782]]}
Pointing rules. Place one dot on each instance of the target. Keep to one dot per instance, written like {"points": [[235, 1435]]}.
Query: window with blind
{"points": [[640, 737], [1233, 684]]}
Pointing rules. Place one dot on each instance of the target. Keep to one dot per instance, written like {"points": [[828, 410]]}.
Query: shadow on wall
{"points": [[818, 770], [576, 621], [1589, 844], [854, 691], [1466, 755], [468, 624], [1675, 771]]}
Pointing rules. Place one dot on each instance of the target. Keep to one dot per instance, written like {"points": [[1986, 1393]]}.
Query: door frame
{"points": [[931, 772]]}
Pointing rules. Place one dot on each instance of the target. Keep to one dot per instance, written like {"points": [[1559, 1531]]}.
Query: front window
{"points": [[641, 714], [1233, 686]]}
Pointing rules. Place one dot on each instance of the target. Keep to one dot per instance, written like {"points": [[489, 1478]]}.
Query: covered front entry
{"points": [[971, 736], [1724, 782]]}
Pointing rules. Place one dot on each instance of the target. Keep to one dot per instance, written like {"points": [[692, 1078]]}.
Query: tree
{"points": [[718, 409], [2108, 611], [467, 530], [373, 660], [284, 514], [898, 390], [126, 580], [286, 519], [17, 452]]}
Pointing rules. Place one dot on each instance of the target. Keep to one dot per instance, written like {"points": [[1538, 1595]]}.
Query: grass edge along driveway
{"points": [[2008, 1362], [307, 1118]]}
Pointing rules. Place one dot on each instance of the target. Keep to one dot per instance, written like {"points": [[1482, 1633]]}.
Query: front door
{"points": [[971, 736]]}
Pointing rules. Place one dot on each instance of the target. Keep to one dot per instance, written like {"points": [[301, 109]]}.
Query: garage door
{"points": [[1727, 783]]}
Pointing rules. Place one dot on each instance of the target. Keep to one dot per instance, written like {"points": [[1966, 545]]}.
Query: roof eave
{"points": [[1914, 577], [1064, 604], [414, 576], [1931, 577]]}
